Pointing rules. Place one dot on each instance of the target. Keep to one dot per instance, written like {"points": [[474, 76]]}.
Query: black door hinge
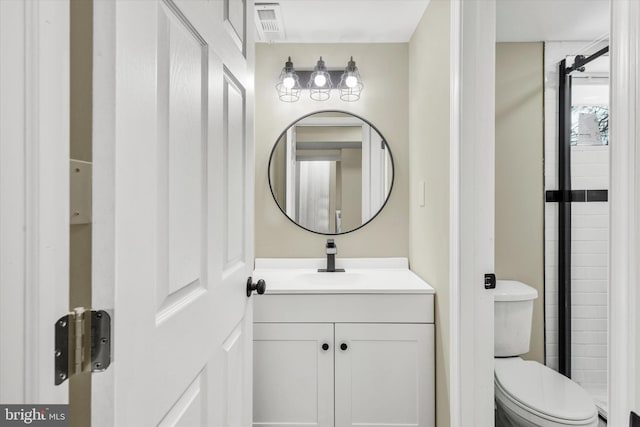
{"points": [[82, 343]]}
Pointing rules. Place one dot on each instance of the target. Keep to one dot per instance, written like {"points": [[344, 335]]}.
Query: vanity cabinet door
{"points": [[293, 374], [384, 375]]}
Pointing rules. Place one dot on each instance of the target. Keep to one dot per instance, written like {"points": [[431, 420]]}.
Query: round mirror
{"points": [[331, 172]]}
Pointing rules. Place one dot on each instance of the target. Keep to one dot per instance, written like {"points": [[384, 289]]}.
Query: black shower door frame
{"points": [[564, 196]]}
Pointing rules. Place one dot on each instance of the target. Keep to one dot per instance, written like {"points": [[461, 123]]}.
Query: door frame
{"points": [[103, 229], [624, 214], [48, 49], [471, 235], [624, 298], [34, 194]]}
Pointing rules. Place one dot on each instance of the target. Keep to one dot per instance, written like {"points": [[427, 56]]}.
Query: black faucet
{"points": [[332, 250]]}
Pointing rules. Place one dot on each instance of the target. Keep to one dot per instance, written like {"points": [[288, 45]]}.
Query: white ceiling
{"points": [[551, 20], [386, 21], [350, 21]]}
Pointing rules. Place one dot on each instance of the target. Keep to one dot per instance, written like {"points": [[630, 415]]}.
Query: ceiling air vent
{"points": [[269, 22]]}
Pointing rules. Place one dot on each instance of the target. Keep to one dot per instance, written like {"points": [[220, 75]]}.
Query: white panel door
{"points": [[293, 374], [173, 211], [384, 375]]}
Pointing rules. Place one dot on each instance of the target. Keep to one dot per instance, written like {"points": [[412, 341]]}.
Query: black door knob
{"points": [[325, 346], [344, 346], [259, 287]]}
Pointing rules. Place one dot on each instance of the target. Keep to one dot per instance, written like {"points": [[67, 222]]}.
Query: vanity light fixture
{"points": [[319, 82], [350, 84], [288, 85]]}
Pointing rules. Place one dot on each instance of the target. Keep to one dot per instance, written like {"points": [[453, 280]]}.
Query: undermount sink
{"points": [[362, 275]]}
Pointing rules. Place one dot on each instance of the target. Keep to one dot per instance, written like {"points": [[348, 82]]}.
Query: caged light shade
{"points": [[288, 86], [350, 85], [320, 82]]}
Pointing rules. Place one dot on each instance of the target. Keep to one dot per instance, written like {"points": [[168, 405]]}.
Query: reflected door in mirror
{"points": [[331, 172]]}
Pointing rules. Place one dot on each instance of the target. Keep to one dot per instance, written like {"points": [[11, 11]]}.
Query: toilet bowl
{"points": [[530, 394], [527, 393]]}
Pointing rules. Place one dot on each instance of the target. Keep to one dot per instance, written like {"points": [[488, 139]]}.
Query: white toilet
{"points": [[527, 393]]}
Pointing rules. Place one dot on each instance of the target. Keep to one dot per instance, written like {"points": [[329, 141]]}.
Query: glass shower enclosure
{"points": [[578, 214]]}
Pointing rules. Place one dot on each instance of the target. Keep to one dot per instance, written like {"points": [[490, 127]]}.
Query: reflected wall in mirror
{"points": [[331, 172]]}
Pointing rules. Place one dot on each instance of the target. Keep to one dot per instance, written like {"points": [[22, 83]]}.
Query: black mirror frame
{"points": [[393, 170]]}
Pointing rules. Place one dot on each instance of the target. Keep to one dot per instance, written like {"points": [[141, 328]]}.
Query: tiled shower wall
{"points": [[590, 222], [589, 252]]}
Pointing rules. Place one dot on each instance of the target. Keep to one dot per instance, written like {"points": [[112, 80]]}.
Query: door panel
{"points": [[293, 375], [182, 137], [188, 409], [234, 14], [234, 170], [235, 353], [177, 217], [385, 376]]}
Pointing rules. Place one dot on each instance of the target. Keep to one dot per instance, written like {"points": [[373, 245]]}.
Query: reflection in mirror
{"points": [[331, 172]]}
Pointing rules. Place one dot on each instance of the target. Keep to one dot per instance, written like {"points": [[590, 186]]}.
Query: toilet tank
{"points": [[513, 309]]}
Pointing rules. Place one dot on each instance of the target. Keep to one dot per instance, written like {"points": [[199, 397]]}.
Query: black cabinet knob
{"points": [[344, 346], [259, 287], [325, 346]]}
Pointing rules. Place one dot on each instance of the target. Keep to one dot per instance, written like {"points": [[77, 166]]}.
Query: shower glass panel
{"points": [[577, 223], [590, 226]]}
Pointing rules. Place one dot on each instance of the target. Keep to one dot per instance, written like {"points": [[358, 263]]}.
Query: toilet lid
{"points": [[544, 390]]}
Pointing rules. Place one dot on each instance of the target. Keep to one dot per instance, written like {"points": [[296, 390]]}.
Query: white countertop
{"points": [[362, 276]]}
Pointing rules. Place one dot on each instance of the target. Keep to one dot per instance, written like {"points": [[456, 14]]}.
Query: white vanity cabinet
{"points": [[370, 374], [292, 374], [385, 376], [347, 357]]}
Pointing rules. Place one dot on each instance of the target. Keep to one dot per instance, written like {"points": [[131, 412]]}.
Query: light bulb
{"points": [[320, 80], [288, 82], [351, 81]]}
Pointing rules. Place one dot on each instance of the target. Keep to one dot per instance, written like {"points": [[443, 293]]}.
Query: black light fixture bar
{"points": [[319, 82], [305, 75]]}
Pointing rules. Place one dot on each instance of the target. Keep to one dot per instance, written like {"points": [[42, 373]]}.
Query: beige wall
{"points": [[422, 130], [384, 102], [519, 220], [429, 146], [81, 58]]}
